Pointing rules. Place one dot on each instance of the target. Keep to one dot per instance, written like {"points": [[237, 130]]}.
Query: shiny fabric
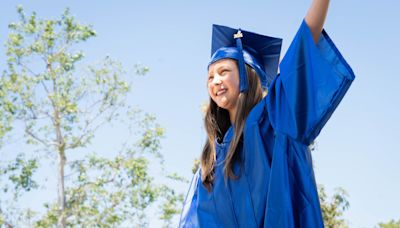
{"points": [[234, 53], [276, 188], [259, 51], [243, 87]]}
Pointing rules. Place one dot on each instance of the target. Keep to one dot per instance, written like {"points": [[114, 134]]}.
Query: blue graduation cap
{"points": [[259, 51]]}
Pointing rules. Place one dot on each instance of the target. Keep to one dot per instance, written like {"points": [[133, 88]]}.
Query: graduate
{"points": [[256, 166]]}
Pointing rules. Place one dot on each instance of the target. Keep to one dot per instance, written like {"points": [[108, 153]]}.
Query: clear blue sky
{"points": [[357, 149]]}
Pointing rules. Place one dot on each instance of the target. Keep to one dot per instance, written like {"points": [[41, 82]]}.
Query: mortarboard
{"points": [[259, 51]]}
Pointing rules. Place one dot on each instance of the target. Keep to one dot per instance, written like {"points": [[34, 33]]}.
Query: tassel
{"points": [[242, 68]]}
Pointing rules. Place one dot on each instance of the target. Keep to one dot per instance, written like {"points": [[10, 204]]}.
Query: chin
{"points": [[224, 106]]}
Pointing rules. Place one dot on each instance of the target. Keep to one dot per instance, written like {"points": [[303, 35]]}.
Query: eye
{"points": [[224, 71], [210, 78]]}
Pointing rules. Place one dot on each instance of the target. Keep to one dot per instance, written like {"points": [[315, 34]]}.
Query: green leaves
{"points": [[48, 36], [20, 173], [141, 70], [151, 136], [75, 32], [60, 105], [15, 39], [333, 210], [31, 26], [391, 224], [171, 205], [110, 191], [23, 179]]}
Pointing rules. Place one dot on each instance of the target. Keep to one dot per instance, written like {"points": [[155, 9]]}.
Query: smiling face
{"points": [[223, 83]]}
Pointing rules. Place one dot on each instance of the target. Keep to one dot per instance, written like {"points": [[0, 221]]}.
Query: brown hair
{"points": [[217, 122]]}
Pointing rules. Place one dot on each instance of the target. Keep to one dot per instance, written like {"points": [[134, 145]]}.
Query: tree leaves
{"points": [[332, 211], [391, 224], [61, 108]]}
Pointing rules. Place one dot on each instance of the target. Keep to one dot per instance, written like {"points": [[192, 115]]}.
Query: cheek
{"points": [[236, 81], [210, 87], [235, 84], [210, 90]]}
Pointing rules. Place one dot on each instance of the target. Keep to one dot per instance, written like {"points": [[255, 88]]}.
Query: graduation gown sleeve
{"points": [[189, 211], [313, 80]]}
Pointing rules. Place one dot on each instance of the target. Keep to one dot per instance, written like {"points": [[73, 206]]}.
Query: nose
{"points": [[216, 80]]}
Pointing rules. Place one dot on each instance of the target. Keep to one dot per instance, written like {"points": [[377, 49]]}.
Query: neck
{"points": [[232, 115]]}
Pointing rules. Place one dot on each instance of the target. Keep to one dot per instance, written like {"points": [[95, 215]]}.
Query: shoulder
{"points": [[258, 112]]}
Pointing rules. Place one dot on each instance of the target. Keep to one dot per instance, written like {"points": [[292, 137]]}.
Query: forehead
{"points": [[222, 63]]}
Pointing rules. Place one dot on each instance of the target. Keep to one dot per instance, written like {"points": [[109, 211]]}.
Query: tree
{"points": [[60, 109], [391, 224], [332, 211]]}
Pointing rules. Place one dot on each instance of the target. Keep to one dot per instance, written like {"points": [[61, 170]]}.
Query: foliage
{"points": [[61, 107], [391, 224], [332, 211]]}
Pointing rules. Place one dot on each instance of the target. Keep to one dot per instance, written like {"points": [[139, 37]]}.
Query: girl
{"points": [[256, 169]]}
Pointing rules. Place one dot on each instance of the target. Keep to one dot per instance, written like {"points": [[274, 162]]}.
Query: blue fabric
{"points": [[259, 51], [276, 187], [234, 53]]}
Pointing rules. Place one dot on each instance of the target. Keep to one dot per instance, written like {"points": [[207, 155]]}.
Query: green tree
{"points": [[391, 224], [60, 109], [332, 211]]}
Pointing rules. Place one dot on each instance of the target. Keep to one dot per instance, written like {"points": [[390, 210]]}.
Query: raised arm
{"points": [[313, 80], [315, 17]]}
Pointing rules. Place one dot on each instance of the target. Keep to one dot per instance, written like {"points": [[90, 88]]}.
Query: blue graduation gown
{"points": [[276, 187]]}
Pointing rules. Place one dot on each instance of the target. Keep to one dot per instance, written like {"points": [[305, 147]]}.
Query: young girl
{"points": [[256, 169]]}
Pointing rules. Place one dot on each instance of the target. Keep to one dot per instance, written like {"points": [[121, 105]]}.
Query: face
{"points": [[223, 83]]}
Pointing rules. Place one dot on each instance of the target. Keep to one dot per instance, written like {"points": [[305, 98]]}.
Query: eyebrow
{"points": [[223, 67], [219, 67]]}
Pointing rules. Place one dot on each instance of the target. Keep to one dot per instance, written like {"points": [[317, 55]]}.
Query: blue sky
{"points": [[357, 150]]}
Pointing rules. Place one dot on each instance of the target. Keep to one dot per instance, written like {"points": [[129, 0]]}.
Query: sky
{"points": [[357, 149]]}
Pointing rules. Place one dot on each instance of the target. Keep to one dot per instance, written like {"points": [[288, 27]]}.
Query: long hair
{"points": [[217, 123]]}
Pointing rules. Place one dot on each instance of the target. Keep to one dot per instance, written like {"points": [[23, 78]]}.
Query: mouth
{"points": [[220, 92]]}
